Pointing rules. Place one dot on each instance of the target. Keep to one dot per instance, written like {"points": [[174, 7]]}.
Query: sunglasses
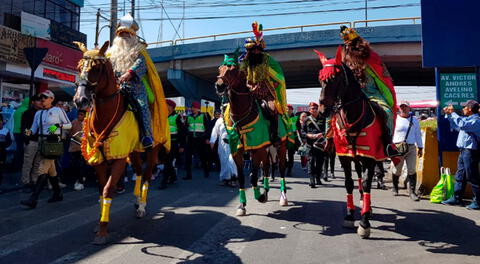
{"points": [[44, 97]]}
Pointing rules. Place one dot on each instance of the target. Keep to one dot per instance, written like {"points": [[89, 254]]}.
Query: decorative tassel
{"points": [[138, 182], [243, 198], [144, 192], [106, 209], [366, 203], [350, 205]]}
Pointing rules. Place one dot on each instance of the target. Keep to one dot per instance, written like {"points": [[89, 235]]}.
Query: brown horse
{"points": [[243, 110], [352, 112], [99, 91]]}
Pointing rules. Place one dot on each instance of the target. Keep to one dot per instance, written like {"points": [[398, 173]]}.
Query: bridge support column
{"points": [[192, 87]]}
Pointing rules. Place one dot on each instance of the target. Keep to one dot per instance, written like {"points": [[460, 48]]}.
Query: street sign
{"points": [[457, 88], [35, 56]]}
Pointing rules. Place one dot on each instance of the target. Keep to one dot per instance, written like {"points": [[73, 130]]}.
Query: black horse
{"points": [[352, 111]]}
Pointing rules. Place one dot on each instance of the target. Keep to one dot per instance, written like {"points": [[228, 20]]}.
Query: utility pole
{"points": [[113, 19], [133, 8], [97, 28], [366, 13]]}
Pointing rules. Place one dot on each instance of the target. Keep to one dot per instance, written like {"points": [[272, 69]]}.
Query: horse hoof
{"points": [[96, 228], [263, 198], [348, 223], [363, 232], [241, 212], [99, 240], [141, 213], [283, 202]]}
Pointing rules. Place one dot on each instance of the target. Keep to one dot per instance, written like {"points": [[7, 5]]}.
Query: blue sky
{"points": [[245, 11]]}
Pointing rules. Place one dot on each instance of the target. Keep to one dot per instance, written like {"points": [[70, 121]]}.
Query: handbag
{"points": [[444, 188], [49, 149], [402, 147], [321, 142], [304, 149]]}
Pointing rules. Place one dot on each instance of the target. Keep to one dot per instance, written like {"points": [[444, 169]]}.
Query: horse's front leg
{"points": [[118, 166], [282, 160], [364, 227], [147, 176], [349, 220], [238, 158]]}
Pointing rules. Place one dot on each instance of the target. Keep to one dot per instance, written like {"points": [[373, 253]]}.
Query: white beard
{"points": [[124, 52]]}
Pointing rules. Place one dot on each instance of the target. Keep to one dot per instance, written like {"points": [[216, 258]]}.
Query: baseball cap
{"points": [[48, 93], [471, 103], [405, 103]]}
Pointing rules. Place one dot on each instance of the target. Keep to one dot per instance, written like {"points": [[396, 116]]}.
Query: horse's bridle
{"points": [[91, 86]]}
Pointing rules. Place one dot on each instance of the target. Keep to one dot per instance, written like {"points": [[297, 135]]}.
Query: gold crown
{"points": [[348, 34]]}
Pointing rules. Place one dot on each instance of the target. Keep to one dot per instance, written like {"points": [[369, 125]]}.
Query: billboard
{"points": [[12, 43], [60, 56], [35, 26]]}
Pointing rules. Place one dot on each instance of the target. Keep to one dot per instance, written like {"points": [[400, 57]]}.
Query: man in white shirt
{"points": [[48, 123], [407, 129]]}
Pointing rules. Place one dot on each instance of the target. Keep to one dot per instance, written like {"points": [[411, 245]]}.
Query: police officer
{"points": [[292, 147], [177, 145], [313, 131], [198, 125]]}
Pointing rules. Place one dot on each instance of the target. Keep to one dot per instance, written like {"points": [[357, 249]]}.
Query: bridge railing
{"points": [[301, 27]]}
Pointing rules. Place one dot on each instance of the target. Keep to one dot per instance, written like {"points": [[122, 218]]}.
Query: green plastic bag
{"points": [[449, 184], [436, 196], [444, 188]]}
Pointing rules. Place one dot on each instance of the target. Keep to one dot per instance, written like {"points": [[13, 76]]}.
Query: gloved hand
{"points": [[53, 128]]}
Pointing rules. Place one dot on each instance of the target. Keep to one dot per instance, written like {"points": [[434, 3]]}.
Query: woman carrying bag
{"points": [[48, 124]]}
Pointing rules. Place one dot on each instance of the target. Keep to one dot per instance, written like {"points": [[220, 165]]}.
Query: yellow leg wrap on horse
{"points": [[138, 183], [100, 203], [144, 192], [106, 209]]}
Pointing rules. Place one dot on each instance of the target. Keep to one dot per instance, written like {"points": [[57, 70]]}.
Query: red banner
{"points": [[60, 56]]}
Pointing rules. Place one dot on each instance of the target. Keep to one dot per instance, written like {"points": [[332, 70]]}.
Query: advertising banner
{"points": [[60, 56], [12, 43], [35, 26]]}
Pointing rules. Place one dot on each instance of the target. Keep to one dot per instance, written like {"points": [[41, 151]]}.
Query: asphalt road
{"points": [[194, 222]]}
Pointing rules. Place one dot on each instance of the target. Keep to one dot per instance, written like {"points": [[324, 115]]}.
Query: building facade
{"points": [[51, 24]]}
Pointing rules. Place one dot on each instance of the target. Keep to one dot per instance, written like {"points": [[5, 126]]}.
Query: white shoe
{"points": [[126, 179], [78, 186], [134, 177], [62, 185]]}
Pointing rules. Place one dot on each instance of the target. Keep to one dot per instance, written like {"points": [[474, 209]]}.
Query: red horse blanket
{"points": [[368, 141]]}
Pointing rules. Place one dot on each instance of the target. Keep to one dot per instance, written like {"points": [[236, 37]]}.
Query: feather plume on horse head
{"points": [[331, 66], [233, 59], [258, 42]]}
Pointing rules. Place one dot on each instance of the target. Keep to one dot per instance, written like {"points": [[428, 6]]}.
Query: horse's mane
{"points": [[356, 55]]}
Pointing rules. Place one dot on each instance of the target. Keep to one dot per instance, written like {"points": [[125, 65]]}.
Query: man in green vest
{"points": [[198, 125], [177, 144], [292, 147]]}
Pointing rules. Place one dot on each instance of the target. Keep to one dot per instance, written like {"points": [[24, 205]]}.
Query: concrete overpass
{"points": [[189, 70]]}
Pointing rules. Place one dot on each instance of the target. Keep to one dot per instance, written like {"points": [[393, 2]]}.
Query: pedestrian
{"points": [[407, 133], [197, 140], [5, 141], [214, 158], [228, 169], [292, 147], [49, 123], [18, 133], [177, 144], [468, 144], [313, 131], [301, 120], [78, 166], [31, 160]]}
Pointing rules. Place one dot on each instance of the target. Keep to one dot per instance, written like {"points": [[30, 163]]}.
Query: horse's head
{"points": [[333, 80], [228, 74], [93, 68]]}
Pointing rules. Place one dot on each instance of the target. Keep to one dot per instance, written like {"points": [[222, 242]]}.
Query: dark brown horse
{"points": [[344, 100], [99, 91], [231, 82]]}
